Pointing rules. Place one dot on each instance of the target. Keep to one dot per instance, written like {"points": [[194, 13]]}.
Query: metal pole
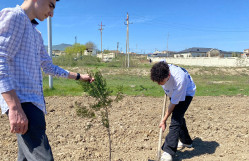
{"points": [[50, 48], [117, 50], [128, 65], [167, 46], [126, 43], [101, 39]]}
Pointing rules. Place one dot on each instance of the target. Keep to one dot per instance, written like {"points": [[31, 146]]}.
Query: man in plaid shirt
{"points": [[22, 55]]}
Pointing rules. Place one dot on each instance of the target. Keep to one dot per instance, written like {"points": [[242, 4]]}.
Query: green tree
{"points": [[99, 90], [75, 49], [90, 45]]}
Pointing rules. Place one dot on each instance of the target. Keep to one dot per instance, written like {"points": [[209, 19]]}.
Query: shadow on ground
{"points": [[200, 147]]}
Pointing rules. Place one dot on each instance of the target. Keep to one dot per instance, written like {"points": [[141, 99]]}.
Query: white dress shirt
{"points": [[22, 55]]}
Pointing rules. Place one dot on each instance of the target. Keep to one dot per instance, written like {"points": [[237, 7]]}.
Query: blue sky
{"points": [[222, 24]]}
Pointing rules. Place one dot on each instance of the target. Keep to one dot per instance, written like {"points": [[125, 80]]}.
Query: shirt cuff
{"points": [[6, 85]]}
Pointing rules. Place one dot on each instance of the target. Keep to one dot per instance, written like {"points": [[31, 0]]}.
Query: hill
{"points": [[60, 47]]}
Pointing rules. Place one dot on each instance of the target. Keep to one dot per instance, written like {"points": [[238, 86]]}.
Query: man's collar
{"points": [[34, 22]]}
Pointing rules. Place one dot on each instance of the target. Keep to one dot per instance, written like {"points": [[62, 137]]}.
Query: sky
{"points": [[172, 25]]}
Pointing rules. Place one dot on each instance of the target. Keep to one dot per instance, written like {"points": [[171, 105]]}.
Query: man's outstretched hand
{"points": [[87, 78]]}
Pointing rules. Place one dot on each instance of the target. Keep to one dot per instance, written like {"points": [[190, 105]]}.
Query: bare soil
{"points": [[218, 125]]}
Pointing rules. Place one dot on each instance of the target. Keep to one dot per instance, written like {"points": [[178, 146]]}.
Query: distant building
{"points": [[156, 55], [167, 53], [57, 53], [114, 51], [195, 52], [225, 54], [106, 57], [205, 52], [161, 54], [246, 52], [198, 52]]}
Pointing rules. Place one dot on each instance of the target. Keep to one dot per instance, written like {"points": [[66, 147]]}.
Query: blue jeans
{"points": [[33, 145], [177, 129]]}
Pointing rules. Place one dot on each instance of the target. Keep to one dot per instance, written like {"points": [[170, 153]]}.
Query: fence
{"points": [[206, 61]]}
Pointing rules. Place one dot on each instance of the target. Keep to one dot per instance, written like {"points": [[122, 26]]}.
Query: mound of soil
{"points": [[218, 125]]}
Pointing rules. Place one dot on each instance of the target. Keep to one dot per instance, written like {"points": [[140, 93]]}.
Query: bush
{"points": [[71, 60], [103, 101]]}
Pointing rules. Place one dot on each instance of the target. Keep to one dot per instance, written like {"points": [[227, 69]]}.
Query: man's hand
{"points": [[162, 125], [17, 117], [86, 77], [18, 121], [83, 77], [167, 114]]}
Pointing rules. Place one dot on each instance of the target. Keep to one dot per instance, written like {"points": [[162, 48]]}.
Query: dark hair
{"points": [[159, 72], [57, 0]]}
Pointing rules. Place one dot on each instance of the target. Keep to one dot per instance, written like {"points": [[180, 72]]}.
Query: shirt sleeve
{"points": [[179, 92], [12, 27], [48, 66]]}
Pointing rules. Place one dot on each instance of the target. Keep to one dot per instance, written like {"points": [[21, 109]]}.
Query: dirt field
{"points": [[218, 125]]}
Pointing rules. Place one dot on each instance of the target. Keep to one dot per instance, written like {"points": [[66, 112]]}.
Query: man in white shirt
{"points": [[179, 86]]}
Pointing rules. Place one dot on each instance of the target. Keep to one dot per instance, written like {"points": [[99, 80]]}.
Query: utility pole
{"points": [[167, 46], [50, 48], [75, 40], [101, 38], [127, 40], [117, 47], [136, 48]]}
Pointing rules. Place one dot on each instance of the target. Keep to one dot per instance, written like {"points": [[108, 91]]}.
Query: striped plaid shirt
{"points": [[22, 55]]}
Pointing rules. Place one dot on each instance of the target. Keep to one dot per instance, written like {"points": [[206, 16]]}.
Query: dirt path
{"points": [[218, 125]]}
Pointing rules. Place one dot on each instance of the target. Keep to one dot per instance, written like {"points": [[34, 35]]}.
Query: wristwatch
{"points": [[78, 76]]}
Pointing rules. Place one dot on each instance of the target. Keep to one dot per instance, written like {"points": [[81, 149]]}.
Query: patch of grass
{"points": [[61, 87], [221, 85], [135, 85], [132, 85]]}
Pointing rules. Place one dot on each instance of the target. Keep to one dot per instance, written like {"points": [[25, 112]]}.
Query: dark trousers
{"points": [[33, 145], [177, 129]]}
